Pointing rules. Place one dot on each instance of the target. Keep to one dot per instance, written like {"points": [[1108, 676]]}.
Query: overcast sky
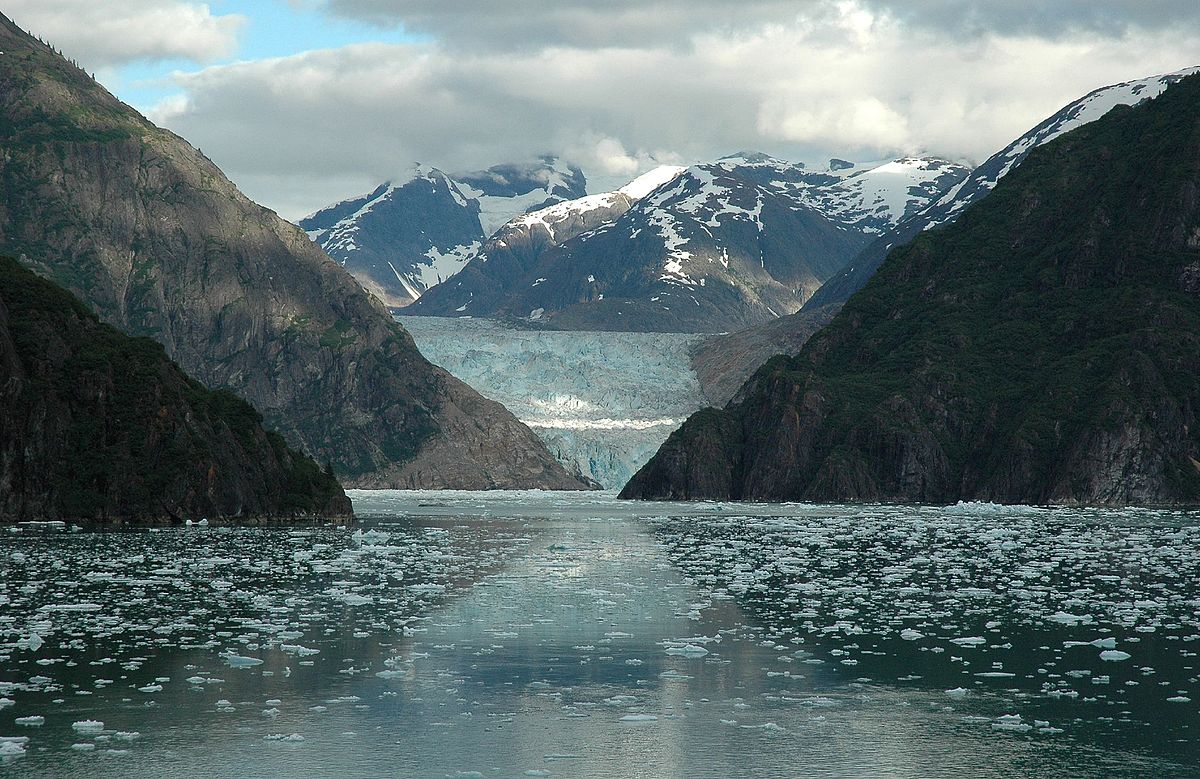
{"points": [[303, 102]]}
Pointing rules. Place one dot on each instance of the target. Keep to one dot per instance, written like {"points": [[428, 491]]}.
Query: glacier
{"points": [[602, 401]]}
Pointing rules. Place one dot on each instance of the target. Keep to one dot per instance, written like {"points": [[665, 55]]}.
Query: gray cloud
{"points": [[521, 24], [103, 35], [824, 79]]}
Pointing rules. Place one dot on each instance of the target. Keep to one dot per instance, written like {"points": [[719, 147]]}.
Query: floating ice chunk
{"points": [[83, 746], [239, 661], [292, 738], [687, 650], [908, 634], [958, 692], [639, 718], [151, 688], [1066, 618], [390, 674], [10, 748], [969, 641], [31, 722], [298, 650], [1179, 699], [87, 726], [1114, 655]]}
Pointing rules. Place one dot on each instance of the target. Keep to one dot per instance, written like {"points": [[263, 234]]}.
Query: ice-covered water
{"points": [[526, 634], [602, 402]]}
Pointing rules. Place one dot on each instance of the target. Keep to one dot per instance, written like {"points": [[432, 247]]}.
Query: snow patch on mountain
{"points": [[602, 402], [1087, 109]]}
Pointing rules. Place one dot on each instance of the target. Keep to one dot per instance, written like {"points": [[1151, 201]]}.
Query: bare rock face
{"points": [[1042, 349], [724, 363], [96, 426], [151, 235]]}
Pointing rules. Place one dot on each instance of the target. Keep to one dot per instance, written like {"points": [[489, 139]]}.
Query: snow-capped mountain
{"points": [[871, 197], [707, 248], [980, 182], [417, 231]]}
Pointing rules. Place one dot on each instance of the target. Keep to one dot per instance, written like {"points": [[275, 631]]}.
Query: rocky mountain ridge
{"points": [[1041, 349], [710, 248], [96, 426], [151, 235], [412, 233]]}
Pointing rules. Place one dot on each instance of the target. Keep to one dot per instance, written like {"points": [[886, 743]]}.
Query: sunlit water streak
{"points": [[501, 634]]}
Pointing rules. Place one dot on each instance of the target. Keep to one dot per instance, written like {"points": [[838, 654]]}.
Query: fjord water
{"points": [[527, 634]]}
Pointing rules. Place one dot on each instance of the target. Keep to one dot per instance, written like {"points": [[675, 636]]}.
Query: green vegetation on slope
{"points": [[1043, 349], [97, 425]]}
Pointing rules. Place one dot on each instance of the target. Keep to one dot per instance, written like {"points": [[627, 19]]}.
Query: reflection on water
{"points": [[502, 635]]}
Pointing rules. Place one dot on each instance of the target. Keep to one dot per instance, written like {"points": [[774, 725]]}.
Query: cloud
{"points": [[847, 79], [519, 24], [106, 34]]}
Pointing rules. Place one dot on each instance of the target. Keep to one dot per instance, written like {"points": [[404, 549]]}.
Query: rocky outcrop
{"points": [[150, 234], [96, 426], [723, 363], [1042, 349]]}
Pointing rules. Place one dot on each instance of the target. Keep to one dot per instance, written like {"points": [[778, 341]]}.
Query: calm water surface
{"points": [[519, 634]]}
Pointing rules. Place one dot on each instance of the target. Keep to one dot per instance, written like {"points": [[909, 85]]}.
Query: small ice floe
{"points": [[1065, 618], [83, 746], [958, 692], [640, 718], [12, 747], [390, 673], [1114, 655], [298, 650], [286, 738], [908, 634], [31, 722], [766, 727], [970, 641], [1179, 699], [1099, 643], [996, 675], [87, 726], [151, 688], [1011, 723], [239, 661], [685, 650], [672, 675]]}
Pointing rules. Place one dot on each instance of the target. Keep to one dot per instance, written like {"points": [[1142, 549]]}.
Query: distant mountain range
{"points": [[707, 248], [1041, 348], [412, 233]]}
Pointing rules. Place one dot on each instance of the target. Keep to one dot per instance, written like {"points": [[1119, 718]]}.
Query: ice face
{"points": [[602, 402]]}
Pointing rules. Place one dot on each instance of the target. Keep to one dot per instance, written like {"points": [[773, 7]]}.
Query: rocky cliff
{"points": [[150, 234], [1043, 349], [96, 426]]}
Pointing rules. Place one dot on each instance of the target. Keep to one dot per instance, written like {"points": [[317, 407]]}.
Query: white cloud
{"points": [[106, 34], [847, 79]]}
